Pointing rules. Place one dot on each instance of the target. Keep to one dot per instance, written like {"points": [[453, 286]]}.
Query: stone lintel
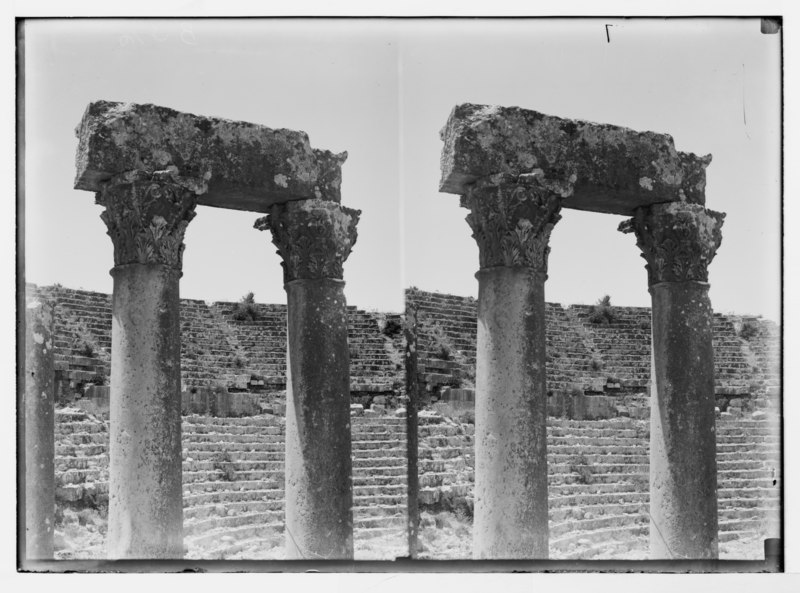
{"points": [[613, 169], [246, 166]]}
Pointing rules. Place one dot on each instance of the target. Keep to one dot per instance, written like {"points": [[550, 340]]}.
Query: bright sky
{"points": [[382, 90]]}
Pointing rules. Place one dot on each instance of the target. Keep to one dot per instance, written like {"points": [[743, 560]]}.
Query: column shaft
{"points": [[145, 515], [683, 468], [146, 214], [678, 240], [39, 432], [314, 238], [511, 517], [319, 492]]}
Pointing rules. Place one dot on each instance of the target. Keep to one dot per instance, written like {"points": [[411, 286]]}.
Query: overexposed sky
{"points": [[382, 90]]}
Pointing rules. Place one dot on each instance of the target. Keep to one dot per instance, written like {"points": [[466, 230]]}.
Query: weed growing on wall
{"points": [[441, 346], [83, 342], [245, 309], [224, 464], [602, 313], [580, 465], [748, 330]]}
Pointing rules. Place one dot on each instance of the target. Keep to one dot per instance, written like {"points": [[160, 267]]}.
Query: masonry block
{"points": [[609, 168], [245, 166]]}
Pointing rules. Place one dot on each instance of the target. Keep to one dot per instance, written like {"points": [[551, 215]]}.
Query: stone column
{"points": [[511, 220], [679, 240], [146, 215], [314, 238], [39, 431]]}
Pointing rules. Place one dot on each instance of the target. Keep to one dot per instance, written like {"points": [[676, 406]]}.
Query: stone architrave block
{"points": [[611, 168], [243, 166]]}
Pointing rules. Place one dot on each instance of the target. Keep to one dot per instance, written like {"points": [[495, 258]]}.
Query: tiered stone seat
{"points": [[218, 350], [599, 481], [447, 328], [731, 369], [262, 341], [233, 476], [208, 354], [622, 346], [569, 361], [376, 360], [80, 316]]}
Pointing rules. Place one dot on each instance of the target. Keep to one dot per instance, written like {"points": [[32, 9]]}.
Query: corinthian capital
{"points": [[678, 240], [146, 215], [314, 237], [512, 218]]}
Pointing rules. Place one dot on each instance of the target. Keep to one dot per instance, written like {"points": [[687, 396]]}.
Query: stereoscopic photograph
{"points": [[486, 294]]}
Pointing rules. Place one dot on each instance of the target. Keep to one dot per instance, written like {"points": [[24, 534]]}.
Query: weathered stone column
{"points": [[511, 220], [39, 431], [146, 215], [679, 240], [314, 238]]}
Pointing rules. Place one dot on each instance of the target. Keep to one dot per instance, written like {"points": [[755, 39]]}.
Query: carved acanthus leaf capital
{"points": [[678, 240], [511, 219], [146, 215], [313, 237]]}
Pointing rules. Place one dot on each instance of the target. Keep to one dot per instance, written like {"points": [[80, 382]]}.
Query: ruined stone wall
{"points": [[598, 360], [219, 351], [605, 359]]}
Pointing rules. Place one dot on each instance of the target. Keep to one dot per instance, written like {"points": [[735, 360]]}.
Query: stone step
{"points": [[239, 476], [396, 520], [247, 467], [201, 486], [230, 509], [559, 530], [192, 431], [393, 490], [629, 531], [228, 496], [86, 427], [213, 523], [380, 480], [380, 500], [590, 500], [215, 448], [393, 452], [205, 540], [746, 493], [378, 510], [596, 511], [569, 489], [599, 478], [596, 458], [63, 464]]}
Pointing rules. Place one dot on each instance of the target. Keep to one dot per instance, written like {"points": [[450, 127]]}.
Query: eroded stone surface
{"points": [[145, 509], [613, 169], [147, 215], [512, 221], [313, 237], [511, 511], [678, 241], [683, 470], [39, 430], [246, 166], [319, 485]]}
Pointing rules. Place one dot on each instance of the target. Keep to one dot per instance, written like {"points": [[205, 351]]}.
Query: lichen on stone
{"points": [[613, 169], [246, 166]]}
